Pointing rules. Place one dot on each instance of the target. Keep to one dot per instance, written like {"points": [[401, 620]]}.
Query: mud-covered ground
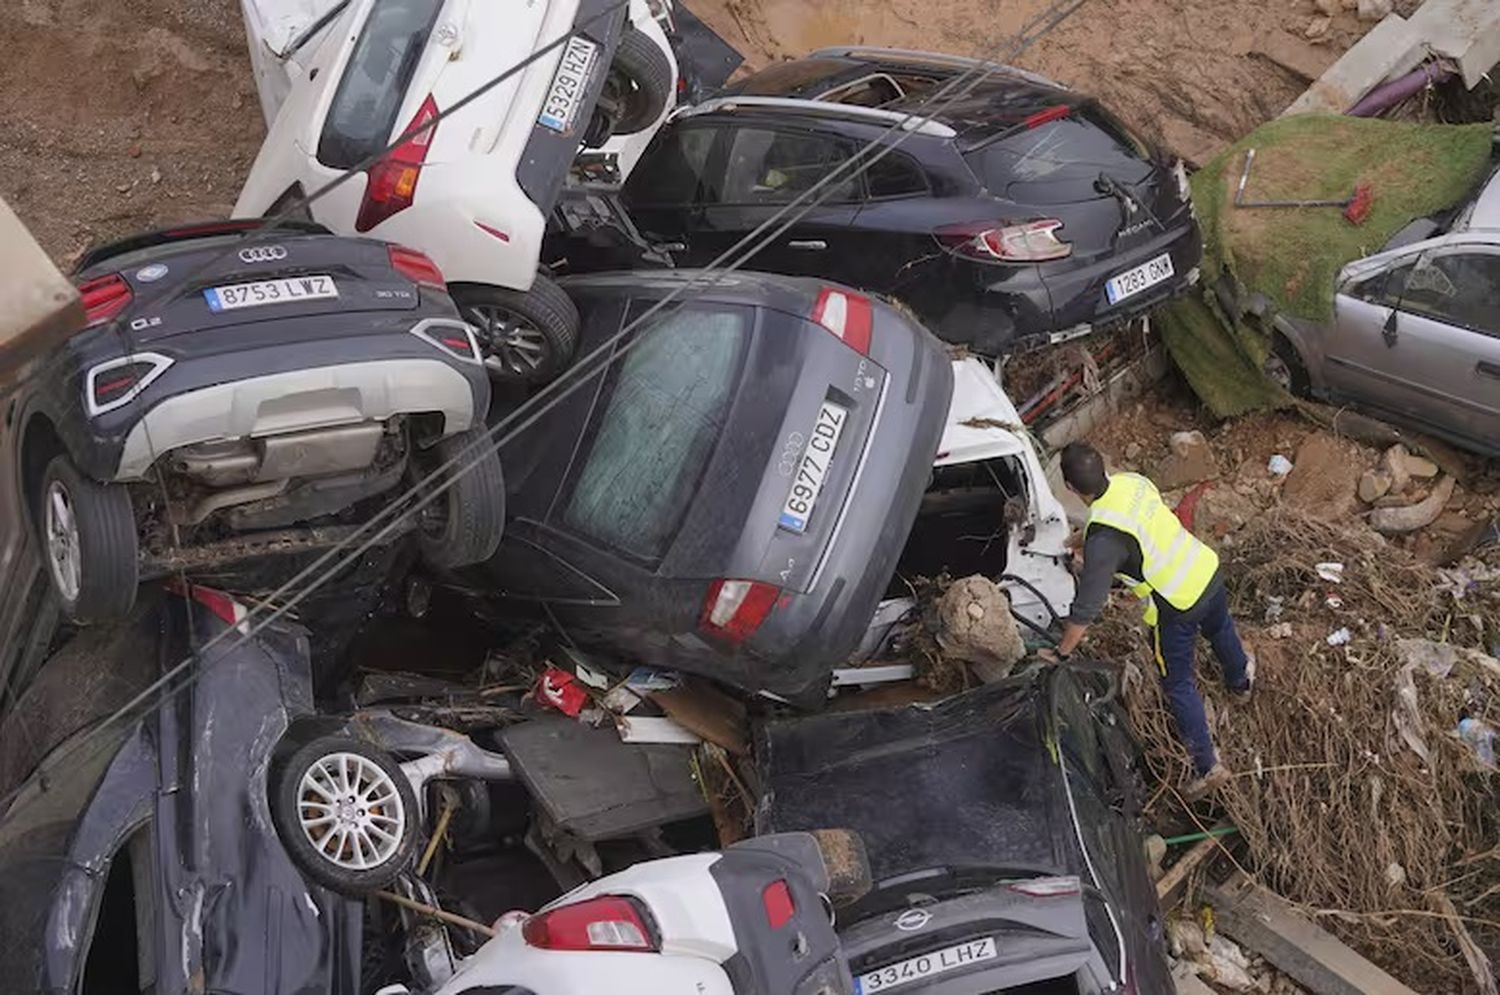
{"points": [[118, 115]]}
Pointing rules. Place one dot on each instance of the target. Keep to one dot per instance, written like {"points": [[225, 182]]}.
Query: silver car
{"points": [[1415, 335]]}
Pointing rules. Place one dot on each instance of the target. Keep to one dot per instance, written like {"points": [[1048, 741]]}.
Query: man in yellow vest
{"points": [[1131, 534]]}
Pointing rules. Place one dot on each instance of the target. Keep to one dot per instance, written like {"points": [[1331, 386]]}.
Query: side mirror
{"points": [[1389, 331]]}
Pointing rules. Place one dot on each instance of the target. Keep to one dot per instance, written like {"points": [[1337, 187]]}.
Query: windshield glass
{"points": [[655, 429], [369, 97]]}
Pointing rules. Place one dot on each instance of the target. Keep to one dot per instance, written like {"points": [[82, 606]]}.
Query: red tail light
{"points": [[117, 382], [393, 180], [610, 922], [104, 297], [847, 315], [417, 268], [450, 336], [777, 899], [1031, 242], [221, 605], [734, 609]]}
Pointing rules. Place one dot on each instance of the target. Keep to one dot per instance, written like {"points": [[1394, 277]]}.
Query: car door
{"points": [[665, 191], [765, 169], [280, 33], [1421, 340]]}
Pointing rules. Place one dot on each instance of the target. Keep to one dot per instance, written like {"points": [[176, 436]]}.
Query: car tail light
{"points": [[1047, 887], [610, 922], [777, 899], [417, 268], [1031, 242], [104, 297], [117, 382], [393, 180], [734, 609], [452, 337], [219, 604], [847, 315]]}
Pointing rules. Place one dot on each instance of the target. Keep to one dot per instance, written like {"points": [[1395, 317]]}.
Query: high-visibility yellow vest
{"points": [[1175, 564]]}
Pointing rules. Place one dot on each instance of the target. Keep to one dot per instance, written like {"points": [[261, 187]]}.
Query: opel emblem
{"points": [[913, 919], [152, 273], [262, 254]]}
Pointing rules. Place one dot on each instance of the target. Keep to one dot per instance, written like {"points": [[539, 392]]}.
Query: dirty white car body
{"points": [[474, 191], [983, 426]]}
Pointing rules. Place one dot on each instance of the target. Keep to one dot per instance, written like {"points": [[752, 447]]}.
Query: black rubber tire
{"points": [[108, 545], [285, 800], [645, 76], [1300, 384], [470, 515], [546, 307]]}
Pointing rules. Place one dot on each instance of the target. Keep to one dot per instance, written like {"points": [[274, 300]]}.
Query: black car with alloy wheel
{"points": [[239, 391], [1004, 209]]}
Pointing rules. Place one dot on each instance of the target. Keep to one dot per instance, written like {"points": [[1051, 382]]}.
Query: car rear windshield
{"points": [[655, 429], [1070, 150], [369, 97]]}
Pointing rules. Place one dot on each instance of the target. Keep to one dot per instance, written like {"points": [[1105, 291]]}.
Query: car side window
{"points": [[894, 175], [1458, 289], [777, 167], [675, 170], [1079, 735]]}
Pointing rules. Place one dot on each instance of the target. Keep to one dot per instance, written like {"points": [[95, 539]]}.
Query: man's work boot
{"points": [[1202, 787], [1242, 695]]}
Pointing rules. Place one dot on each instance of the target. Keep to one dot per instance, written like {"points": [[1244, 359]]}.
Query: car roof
{"points": [[1484, 215]]}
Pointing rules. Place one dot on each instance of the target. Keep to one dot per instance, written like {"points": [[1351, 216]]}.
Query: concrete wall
{"points": [[38, 305]]}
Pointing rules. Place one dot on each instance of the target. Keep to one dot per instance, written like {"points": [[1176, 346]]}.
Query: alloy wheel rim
{"points": [[513, 346], [1277, 372], [64, 557], [350, 811]]}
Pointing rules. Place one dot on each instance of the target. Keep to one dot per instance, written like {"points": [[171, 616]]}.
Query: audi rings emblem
{"points": [[262, 254], [913, 919]]}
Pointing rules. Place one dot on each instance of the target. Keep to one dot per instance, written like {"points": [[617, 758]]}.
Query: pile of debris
{"points": [[1364, 788]]}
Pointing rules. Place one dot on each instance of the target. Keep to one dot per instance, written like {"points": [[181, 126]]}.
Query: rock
{"points": [[1416, 516], [1374, 10], [1227, 965], [1190, 461], [1373, 485], [1221, 511], [1133, 451], [1317, 27], [1330, 8], [1398, 463], [974, 625], [155, 175], [1325, 478], [134, 151]]}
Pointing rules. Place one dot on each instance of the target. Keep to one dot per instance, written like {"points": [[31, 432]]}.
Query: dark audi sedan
{"points": [[1021, 213], [729, 489], [1002, 830]]}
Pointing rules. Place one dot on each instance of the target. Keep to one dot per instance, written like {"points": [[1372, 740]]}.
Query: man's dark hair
{"points": [[1083, 469]]}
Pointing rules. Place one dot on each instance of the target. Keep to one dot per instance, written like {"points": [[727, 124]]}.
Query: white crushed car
{"points": [[340, 80]]}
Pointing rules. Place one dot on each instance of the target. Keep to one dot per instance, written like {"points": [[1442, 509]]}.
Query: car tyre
{"points": [[89, 541], [639, 83], [464, 523], [1284, 367], [372, 835], [527, 338]]}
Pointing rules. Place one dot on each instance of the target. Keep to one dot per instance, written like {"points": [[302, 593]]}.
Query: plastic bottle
{"points": [[1480, 738]]}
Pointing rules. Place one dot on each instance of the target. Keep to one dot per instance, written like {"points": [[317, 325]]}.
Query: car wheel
{"points": [[346, 814], [639, 82], [89, 541], [463, 525], [1284, 368], [527, 338]]}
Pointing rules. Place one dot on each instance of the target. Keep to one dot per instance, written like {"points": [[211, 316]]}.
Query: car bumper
{"points": [[1079, 302], [810, 634], [316, 384]]}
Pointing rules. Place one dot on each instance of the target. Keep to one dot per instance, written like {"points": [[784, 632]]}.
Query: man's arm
{"points": [[1104, 553]]}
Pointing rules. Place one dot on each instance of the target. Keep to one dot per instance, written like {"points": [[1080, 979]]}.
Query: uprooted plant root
{"points": [[1339, 812]]}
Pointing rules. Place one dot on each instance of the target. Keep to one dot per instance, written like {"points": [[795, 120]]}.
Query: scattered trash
{"points": [[1339, 638], [1331, 572], [1479, 736], [1227, 965], [562, 691], [654, 729], [1273, 608], [1281, 630], [1279, 465], [1334, 601]]}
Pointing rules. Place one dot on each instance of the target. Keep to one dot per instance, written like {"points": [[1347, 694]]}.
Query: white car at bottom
{"points": [[753, 919], [341, 80]]}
